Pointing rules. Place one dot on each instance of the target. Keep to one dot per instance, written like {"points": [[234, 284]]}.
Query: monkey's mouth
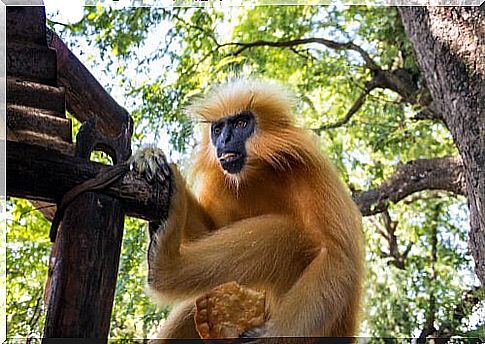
{"points": [[232, 162], [229, 156]]}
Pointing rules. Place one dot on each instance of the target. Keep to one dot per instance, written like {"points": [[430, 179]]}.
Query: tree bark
{"points": [[449, 43]]}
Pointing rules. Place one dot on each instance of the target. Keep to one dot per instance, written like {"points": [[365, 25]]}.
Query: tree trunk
{"points": [[449, 43]]}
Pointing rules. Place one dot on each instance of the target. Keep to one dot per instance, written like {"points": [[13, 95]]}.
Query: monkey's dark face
{"points": [[229, 135]]}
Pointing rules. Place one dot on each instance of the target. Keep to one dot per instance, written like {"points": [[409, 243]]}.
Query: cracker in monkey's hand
{"points": [[229, 310]]}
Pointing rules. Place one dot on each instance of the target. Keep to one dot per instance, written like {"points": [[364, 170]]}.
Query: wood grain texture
{"points": [[85, 272], [35, 95], [85, 96], [39, 173]]}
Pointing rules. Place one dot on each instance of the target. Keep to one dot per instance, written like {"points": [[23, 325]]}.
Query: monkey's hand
{"points": [[255, 332], [152, 164], [166, 233]]}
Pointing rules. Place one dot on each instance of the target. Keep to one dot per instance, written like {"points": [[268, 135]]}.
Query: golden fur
{"points": [[285, 224]]}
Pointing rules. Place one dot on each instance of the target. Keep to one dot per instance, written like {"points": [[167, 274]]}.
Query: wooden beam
{"points": [[43, 122], [39, 173], [85, 97], [35, 95]]}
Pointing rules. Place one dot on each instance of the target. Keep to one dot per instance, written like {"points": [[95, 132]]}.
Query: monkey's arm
{"points": [[151, 163], [194, 221], [315, 285], [264, 250]]}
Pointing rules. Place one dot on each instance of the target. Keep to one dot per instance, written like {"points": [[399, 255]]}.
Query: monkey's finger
{"points": [[156, 173], [255, 332], [160, 177], [149, 175], [155, 163], [166, 169], [163, 171], [137, 163]]}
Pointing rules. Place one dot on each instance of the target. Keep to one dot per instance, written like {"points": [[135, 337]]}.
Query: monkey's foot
{"points": [[229, 310], [152, 164]]}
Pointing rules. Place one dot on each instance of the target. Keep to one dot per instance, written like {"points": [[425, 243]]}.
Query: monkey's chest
{"points": [[231, 207], [230, 212]]}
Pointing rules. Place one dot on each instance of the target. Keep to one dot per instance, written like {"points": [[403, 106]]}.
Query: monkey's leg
{"points": [[318, 286], [323, 302], [180, 323], [267, 250]]}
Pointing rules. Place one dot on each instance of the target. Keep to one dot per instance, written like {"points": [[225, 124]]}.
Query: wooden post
{"points": [[83, 279], [86, 267]]}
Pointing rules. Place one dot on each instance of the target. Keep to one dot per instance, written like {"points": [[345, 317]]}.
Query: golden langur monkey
{"points": [[271, 213]]}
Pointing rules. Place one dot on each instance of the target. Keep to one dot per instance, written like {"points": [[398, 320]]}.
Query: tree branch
{"points": [[353, 109], [369, 62], [398, 80], [36, 313], [175, 15], [388, 229], [369, 86], [435, 174], [429, 327]]}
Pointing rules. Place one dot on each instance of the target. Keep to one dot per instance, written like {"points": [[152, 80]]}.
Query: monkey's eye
{"points": [[241, 124], [217, 130]]}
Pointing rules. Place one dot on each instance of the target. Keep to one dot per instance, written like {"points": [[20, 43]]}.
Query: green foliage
{"points": [[163, 58], [116, 32], [134, 314], [28, 248], [408, 291]]}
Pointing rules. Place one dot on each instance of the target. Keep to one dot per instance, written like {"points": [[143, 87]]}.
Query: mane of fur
{"points": [[276, 140]]}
